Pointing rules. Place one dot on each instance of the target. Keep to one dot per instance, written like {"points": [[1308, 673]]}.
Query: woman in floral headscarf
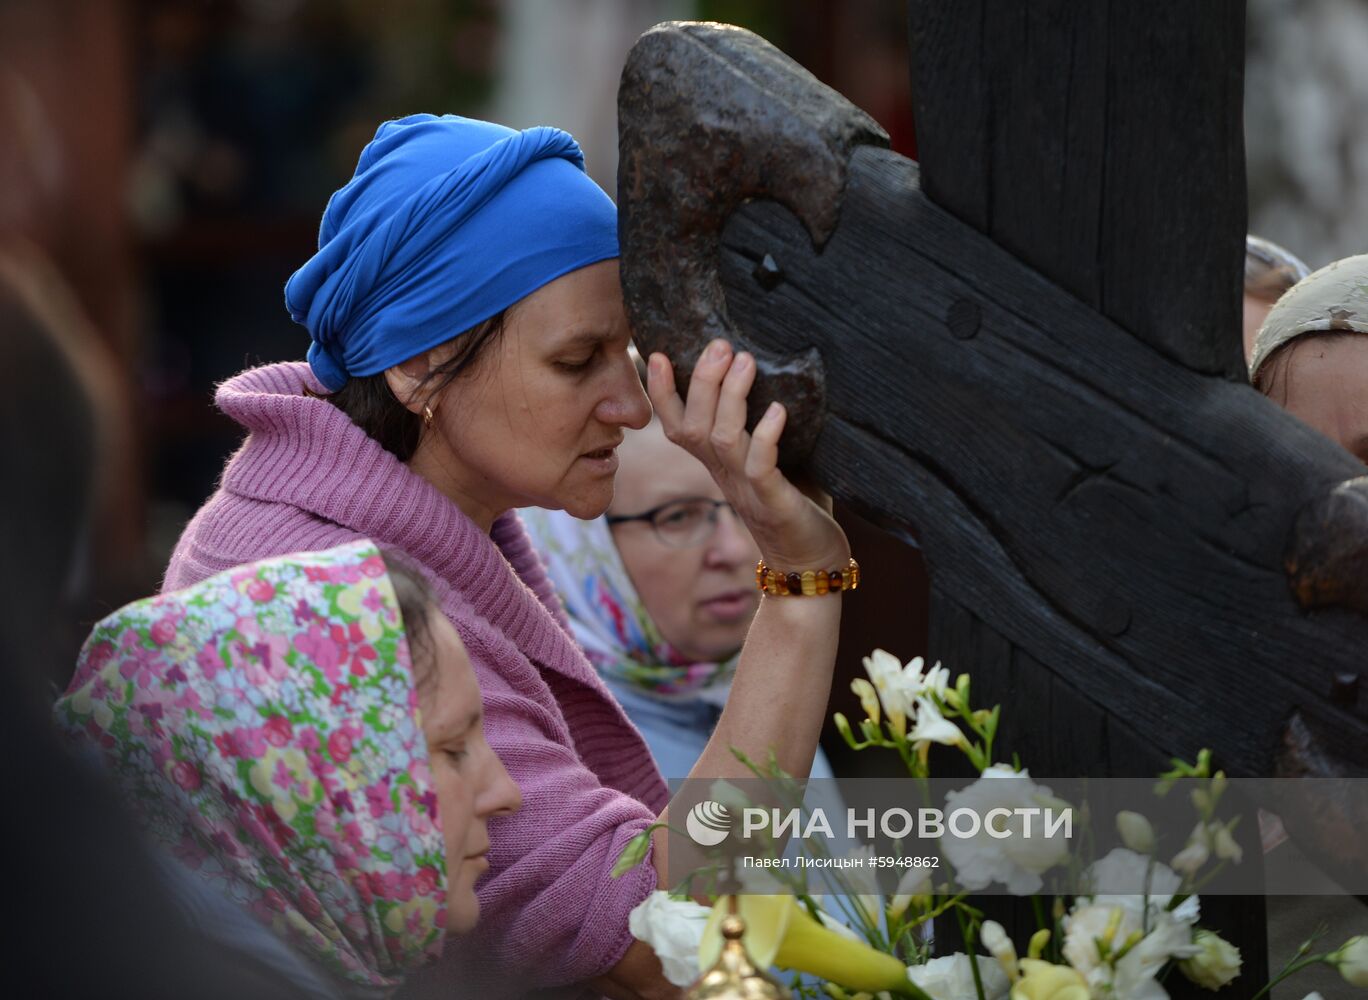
{"points": [[303, 735], [659, 593]]}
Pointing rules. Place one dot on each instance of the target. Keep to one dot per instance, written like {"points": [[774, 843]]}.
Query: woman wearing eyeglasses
{"points": [[659, 592]]}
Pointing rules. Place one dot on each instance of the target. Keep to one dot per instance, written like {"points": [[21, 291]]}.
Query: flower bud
{"points": [[1352, 960], [1039, 940], [1000, 946], [843, 727], [1136, 832], [1195, 854], [869, 698], [961, 692], [1225, 846], [1215, 965]]}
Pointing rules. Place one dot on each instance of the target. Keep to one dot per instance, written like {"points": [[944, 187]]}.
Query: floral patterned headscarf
{"points": [[264, 725], [608, 618]]}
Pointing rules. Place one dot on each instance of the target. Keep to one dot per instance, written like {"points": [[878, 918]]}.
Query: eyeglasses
{"points": [[680, 524]]}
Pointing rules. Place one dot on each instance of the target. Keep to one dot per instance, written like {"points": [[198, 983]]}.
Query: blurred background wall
{"points": [[165, 164]]}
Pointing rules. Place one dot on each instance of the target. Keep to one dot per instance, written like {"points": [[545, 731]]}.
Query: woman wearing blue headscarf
{"points": [[469, 357]]}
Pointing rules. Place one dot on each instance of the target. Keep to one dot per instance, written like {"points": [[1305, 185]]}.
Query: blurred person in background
{"points": [[470, 356], [88, 916], [264, 725], [1311, 358], [660, 592], [1270, 270]]}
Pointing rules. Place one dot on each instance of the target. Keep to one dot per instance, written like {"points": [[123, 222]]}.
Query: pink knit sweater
{"points": [[308, 478]]}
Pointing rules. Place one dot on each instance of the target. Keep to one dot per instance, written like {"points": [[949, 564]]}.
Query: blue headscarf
{"points": [[446, 222]]}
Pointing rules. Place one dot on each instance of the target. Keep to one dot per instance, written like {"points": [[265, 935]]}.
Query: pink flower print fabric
{"points": [[264, 725]]}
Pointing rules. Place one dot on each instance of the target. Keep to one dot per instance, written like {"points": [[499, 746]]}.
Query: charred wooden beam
{"points": [[1113, 505]]}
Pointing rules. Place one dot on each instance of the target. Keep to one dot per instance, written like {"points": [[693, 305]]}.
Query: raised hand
{"points": [[792, 531]]}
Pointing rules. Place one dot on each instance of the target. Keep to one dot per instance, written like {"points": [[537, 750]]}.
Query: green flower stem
{"points": [[970, 951], [932, 914], [1293, 967]]}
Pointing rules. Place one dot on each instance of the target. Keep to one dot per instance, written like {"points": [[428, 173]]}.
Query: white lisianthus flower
{"points": [[1132, 892], [1217, 964], [1016, 861], [674, 930], [1352, 960], [952, 978], [1136, 831], [1124, 877], [1313, 995]]}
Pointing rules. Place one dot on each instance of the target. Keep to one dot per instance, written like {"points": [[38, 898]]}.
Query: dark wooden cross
{"points": [[1025, 352]]}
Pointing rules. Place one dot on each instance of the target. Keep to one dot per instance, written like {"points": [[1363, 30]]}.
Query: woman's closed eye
{"points": [[576, 365]]}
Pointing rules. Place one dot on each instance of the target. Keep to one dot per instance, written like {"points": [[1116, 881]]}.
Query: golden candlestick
{"points": [[734, 976]]}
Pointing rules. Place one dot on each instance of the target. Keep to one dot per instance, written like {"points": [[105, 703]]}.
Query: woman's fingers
{"points": [[700, 410], [728, 437], [762, 458], [660, 387]]}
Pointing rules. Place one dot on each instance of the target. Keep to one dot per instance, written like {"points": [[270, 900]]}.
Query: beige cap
{"points": [[1335, 298]]}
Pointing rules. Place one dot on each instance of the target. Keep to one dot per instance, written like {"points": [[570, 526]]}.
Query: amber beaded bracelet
{"points": [[807, 584]]}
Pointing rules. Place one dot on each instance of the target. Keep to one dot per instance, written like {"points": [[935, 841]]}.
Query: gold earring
{"points": [[427, 416]]}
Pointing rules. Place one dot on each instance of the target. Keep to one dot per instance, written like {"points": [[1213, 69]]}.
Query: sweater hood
{"points": [[305, 452]]}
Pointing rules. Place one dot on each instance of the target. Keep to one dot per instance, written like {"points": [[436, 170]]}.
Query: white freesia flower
{"points": [[1136, 831], [1217, 964], [1223, 843], [952, 978], [932, 727], [1016, 861], [999, 945], [899, 686], [869, 698], [1126, 886], [674, 930], [1132, 976], [1313, 995], [937, 679], [1196, 853], [1352, 960], [915, 882], [886, 673]]}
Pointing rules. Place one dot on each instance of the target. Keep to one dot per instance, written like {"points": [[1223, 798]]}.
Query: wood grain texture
{"points": [[1118, 516], [1103, 144]]}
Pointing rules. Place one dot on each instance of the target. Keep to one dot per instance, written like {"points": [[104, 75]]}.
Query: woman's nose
{"points": [[731, 544], [624, 402], [501, 794]]}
